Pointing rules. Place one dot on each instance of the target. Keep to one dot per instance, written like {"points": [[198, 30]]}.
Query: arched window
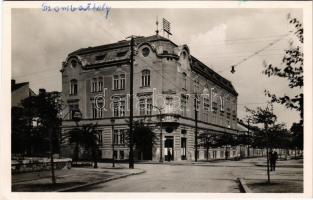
{"points": [[184, 80], [145, 78], [73, 87]]}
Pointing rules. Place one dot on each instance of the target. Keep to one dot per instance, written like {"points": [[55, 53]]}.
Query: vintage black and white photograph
{"points": [[161, 100]]}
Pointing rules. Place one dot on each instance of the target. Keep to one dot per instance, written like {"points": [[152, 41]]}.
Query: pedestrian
{"points": [[271, 159], [275, 157]]}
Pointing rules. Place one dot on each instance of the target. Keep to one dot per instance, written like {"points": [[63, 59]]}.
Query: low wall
{"points": [[42, 164]]}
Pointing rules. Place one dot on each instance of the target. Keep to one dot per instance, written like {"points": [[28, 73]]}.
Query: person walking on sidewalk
{"points": [[275, 157]]}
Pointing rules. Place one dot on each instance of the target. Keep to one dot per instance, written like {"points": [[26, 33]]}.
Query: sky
{"points": [[219, 38]]}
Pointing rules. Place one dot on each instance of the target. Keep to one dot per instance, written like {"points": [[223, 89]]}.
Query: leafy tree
{"points": [[265, 117], [297, 136], [87, 137], [45, 108], [292, 70], [20, 139], [144, 138]]}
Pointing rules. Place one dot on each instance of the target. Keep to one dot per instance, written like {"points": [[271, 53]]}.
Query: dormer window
{"points": [[73, 63], [184, 55], [73, 87], [121, 54], [100, 57]]}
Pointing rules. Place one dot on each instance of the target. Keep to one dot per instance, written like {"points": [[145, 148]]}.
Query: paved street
{"points": [[171, 178], [217, 177]]}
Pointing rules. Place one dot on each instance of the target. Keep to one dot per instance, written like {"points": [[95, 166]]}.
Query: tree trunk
{"points": [[95, 158]]}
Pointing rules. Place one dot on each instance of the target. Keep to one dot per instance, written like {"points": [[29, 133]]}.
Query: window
{"points": [[94, 110], [145, 51], [122, 108], [72, 108], [100, 84], [121, 155], [122, 81], [183, 104], [94, 85], [73, 87], [121, 54], [115, 136], [119, 136], [196, 85], [184, 80], [73, 63], [149, 106], [100, 57], [222, 103], [119, 82], [145, 78], [115, 82], [206, 107], [115, 109], [145, 106], [142, 106], [100, 110], [119, 107]]}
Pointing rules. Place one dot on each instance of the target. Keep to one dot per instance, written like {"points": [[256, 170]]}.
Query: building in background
{"points": [[20, 91], [166, 75]]}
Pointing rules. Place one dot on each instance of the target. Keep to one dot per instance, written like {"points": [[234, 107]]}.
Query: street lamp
{"points": [[161, 133], [113, 158]]}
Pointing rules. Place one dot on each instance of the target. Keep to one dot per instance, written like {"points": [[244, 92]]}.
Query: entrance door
{"points": [[169, 148], [183, 148]]}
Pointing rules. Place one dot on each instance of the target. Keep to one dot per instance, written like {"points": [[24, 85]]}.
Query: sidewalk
{"points": [[69, 179], [288, 177]]}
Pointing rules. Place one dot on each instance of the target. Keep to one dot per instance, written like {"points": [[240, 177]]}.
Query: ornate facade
{"points": [[96, 80]]}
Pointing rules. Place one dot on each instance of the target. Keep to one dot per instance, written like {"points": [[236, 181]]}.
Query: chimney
{"points": [[42, 91]]}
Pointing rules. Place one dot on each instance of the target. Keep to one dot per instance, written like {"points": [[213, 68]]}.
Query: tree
{"points": [[144, 138], [292, 70], [45, 108], [87, 137], [266, 117], [20, 140], [297, 136]]}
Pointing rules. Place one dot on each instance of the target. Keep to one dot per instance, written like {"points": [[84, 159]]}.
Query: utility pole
{"points": [[196, 127], [249, 137], [131, 114]]}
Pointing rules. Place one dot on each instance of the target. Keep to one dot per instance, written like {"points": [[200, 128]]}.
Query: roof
{"points": [[119, 52], [120, 44], [212, 75], [18, 85]]}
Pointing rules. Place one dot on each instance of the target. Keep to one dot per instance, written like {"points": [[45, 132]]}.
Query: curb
{"points": [[69, 189], [244, 186]]}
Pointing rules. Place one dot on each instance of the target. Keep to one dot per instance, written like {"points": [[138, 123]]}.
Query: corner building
{"points": [[166, 75]]}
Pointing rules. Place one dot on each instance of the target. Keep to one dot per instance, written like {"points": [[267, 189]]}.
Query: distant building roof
{"points": [[15, 86]]}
